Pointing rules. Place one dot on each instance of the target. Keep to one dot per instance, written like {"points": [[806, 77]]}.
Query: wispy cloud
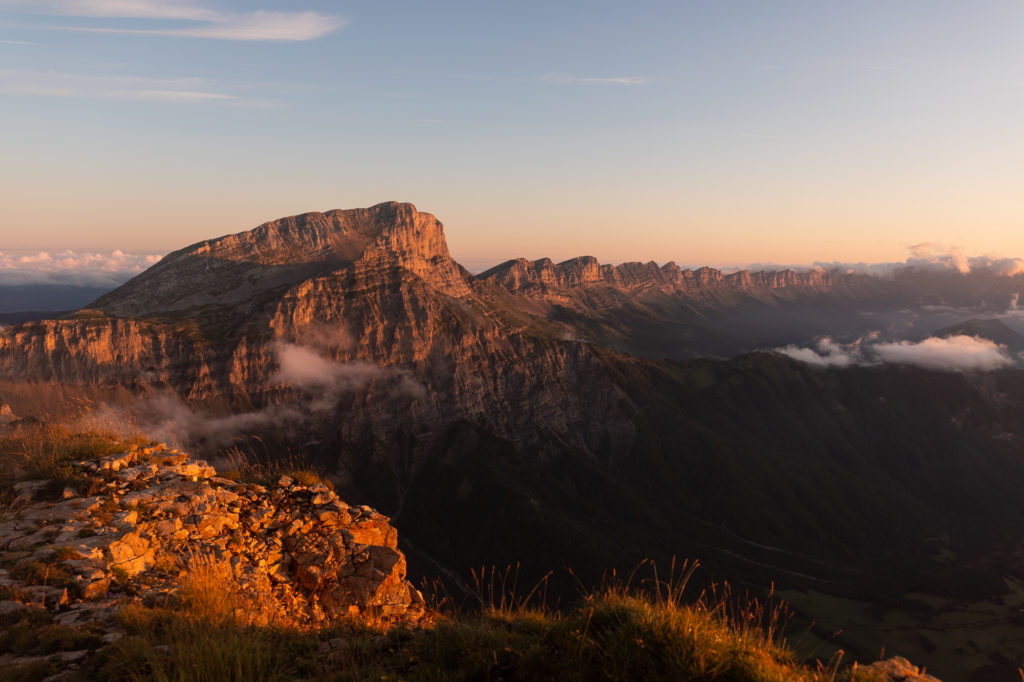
{"points": [[17, 42], [137, 88], [204, 22], [127, 9], [81, 268], [566, 78]]}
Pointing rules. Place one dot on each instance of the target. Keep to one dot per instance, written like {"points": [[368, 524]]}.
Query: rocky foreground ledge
{"points": [[129, 527]]}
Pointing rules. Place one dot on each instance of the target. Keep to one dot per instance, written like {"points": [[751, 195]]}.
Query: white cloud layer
{"points": [[953, 354], [205, 22], [926, 256], [936, 258], [77, 268]]}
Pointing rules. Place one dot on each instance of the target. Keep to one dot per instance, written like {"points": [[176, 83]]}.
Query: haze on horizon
{"points": [[723, 133]]}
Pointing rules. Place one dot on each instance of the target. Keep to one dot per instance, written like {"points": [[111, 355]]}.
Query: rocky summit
{"points": [[130, 527], [234, 269]]}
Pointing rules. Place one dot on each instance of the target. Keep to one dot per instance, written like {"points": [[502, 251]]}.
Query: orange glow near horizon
{"points": [[481, 234]]}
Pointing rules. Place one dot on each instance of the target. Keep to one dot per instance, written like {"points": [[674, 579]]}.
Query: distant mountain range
{"points": [[576, 414]]}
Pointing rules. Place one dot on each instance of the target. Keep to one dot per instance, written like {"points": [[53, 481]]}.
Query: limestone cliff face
{"points": [[398, 343], [102, 350], [236, 269], [543, 278]]}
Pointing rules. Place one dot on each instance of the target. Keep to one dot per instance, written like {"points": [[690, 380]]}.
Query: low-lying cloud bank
{"points": [[320, 382], [926, 256], [938, 258], [954, 354], [75, 268]]}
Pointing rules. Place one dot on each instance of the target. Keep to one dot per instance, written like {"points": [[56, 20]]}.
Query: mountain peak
{"points": [[334, 236], [231, 269]]}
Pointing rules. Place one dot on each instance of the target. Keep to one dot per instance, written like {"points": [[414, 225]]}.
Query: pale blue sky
{"points": [[714, 131]]}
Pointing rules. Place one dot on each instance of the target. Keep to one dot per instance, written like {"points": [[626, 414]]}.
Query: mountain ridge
{"points": [[564, 415]]}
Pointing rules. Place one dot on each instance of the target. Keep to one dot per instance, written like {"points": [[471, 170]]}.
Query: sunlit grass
{"points": [[41, 452], [38, 452], [639, 630]]}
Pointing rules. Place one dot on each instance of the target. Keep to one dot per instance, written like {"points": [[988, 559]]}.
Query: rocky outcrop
{"points": [[131, 526]]}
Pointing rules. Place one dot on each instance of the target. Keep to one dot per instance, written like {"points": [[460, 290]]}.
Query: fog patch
{"points": [[324, 338], [167, 418], [825, 353], [299, 366], [319, 384], [955, 353], [327, 380]]}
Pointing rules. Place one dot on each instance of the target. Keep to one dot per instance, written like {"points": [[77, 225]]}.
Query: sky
{"points": [[708, 132]]}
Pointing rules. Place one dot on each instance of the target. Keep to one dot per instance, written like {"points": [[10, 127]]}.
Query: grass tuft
{"points": [[246, 464], [629, 630], [41, 452]]}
